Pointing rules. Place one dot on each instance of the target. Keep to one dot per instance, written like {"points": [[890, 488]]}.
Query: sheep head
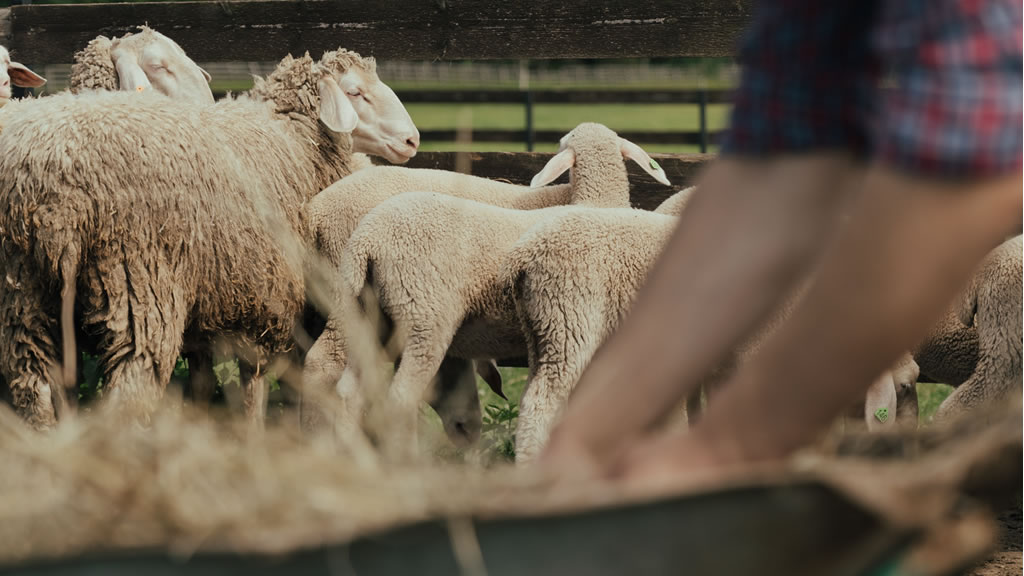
{"points": [[143, 61], [384, 127], [12, 72], [597, 143], [148, 60]]}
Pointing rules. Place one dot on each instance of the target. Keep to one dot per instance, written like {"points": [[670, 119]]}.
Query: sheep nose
{"points": [[6, 83], [413, 141]]}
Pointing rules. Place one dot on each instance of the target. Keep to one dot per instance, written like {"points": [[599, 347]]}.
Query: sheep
{"points": [[335, 212], [15, 73], [976, 346], [434, 262], [574, 277], [146, 60], [144, 217]]}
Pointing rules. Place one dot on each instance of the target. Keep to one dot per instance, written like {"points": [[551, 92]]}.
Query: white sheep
{"points": [[15, 73], [977, 345], [138, 62], [335, 212], [574, 277], [153, 217], [435, 262]]}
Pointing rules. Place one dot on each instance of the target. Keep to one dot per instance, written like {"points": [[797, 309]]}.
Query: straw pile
{"points": [[187, 483]]}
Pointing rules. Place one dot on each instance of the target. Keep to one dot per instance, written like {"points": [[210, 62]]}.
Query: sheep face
{"points": [[453, 395], [14, 73], [384, 127], [149, 60]]}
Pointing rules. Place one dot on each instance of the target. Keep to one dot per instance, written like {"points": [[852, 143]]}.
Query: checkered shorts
{"points": [[927, 86]]}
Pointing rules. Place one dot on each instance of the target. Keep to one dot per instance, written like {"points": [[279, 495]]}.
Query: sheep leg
{"points": [[546, 395], [324, 366], [27, 350], [143, 323], [255, 389], [557, 361], [201, 380], [421, 360], [987, 385]]}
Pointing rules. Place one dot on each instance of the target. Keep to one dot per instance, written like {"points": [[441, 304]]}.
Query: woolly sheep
{"points": [[15, 73], [988, 323], [573, 278], [598, 177], [186, 218], [145, 60], [435, 262]]}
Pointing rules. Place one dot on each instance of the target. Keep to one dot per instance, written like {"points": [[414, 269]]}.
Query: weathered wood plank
{"points": [[520, 167], [266, 30]]}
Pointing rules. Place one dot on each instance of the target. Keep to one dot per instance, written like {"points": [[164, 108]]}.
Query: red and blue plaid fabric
{"points": [[927, 86]]}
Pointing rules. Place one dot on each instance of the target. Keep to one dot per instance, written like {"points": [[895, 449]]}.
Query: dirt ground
{"points": [[1007, 560]]}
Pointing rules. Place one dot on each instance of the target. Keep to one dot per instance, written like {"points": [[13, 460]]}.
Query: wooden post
{"points": [[529, 121], [702, 97]]}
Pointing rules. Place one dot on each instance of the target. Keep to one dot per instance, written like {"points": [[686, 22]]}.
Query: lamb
{"points": [[980, 336], [146, 60], [173, 225], [12, 72], [434, 262], [573, 278]]}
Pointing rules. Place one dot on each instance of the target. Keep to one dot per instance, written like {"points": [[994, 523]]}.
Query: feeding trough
{"points": [[804, 527]]}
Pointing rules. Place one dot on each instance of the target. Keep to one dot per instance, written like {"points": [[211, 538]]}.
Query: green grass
{"points": [[564, 117], [929, 397], [498, 444], [619, 117]]}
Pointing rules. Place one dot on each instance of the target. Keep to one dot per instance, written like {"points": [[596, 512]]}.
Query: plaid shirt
{"points": [[950, 102]]}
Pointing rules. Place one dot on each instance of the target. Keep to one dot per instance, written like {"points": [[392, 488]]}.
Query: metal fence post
{"points": [[702, 99]]}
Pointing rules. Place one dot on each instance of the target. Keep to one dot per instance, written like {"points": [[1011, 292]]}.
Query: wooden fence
{"points": [[529, 135], [266, 30]]}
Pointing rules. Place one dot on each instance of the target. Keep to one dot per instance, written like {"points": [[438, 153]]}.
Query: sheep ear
{"points": [[637, 154], [131, 77], [336, 111], [22, 76], [488, 370], [205, 74], [880, 402], [555, 167]]}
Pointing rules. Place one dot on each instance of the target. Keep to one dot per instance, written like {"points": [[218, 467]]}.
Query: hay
{"points": [[189, 483]]}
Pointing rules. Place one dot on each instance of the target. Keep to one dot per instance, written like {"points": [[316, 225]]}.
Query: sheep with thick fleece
{"points": [[435, 262], [139, 62], [148, 217], [573, 278], [981, 336], [17, 74], [598, 178]]}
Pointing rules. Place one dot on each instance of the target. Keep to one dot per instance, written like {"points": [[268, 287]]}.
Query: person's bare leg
{"points": [[742, 241], [910, 246]]}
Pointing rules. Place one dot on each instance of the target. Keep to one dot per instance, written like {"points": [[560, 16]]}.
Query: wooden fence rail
{"points": [[528, 98], [520, 167], [265, 30]]}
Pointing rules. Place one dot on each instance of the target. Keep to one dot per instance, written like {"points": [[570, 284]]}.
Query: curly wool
{"points": [[93, 69], [598, 178], [163, 216]]}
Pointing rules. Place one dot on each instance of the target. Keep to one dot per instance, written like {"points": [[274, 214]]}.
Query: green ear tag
{"points": [[882, 414], [654, 165]]}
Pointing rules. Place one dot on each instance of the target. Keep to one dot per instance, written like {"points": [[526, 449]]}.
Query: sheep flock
{"points": [[141, 221]]}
